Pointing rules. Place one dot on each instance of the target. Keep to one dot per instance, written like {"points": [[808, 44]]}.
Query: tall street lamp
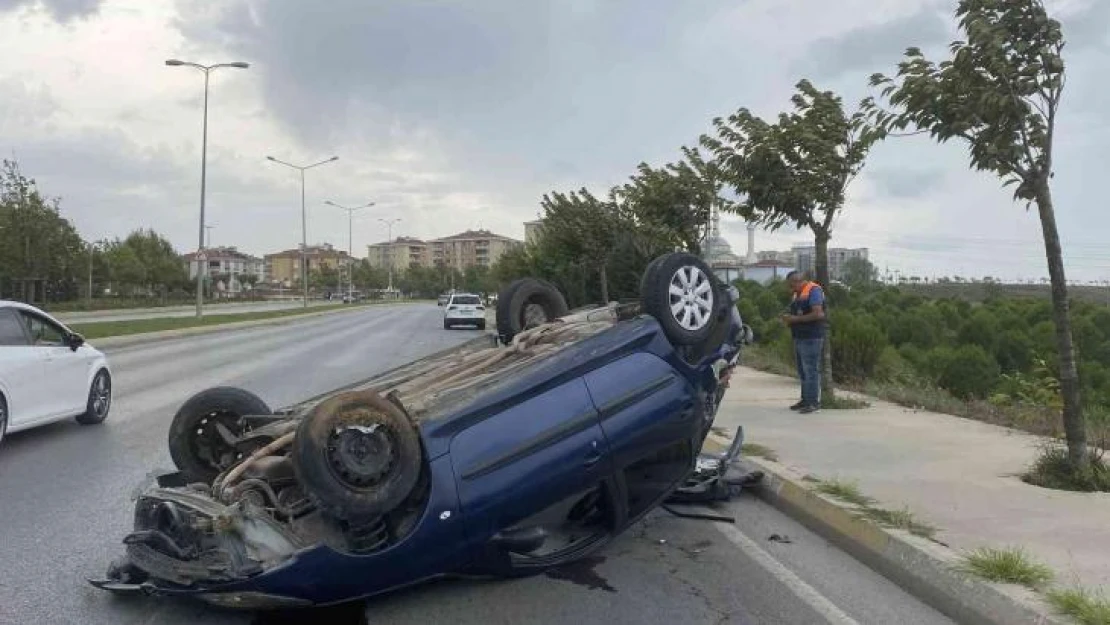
{"points": [[207, 69], [389, 246], [304, 219], [350, 247]]}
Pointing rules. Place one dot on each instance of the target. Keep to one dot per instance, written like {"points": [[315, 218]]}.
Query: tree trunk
{"points": [[604, 284], [821, 268], [1074, 427]]}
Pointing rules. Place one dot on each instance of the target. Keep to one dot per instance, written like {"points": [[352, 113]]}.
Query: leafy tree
{"points": [[127, 271], [583, 230], [366, 276], [163, 267], [40, 251], [677, 199], [795, 171], [1000, 92], [859, 272]]}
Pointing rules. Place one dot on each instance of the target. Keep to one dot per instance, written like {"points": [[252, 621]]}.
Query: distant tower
{"points": [[751, 244]]}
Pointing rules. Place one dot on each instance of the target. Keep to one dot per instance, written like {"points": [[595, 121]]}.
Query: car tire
{"points": [[696, 294], [100, 399], [526, 303], [203, 459], [446, 325], [350, 473], [481, 325], [649, 271]]}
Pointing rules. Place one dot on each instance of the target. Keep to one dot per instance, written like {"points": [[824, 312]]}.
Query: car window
{"points": [[11, 331], [466, 299], [42, 331]]}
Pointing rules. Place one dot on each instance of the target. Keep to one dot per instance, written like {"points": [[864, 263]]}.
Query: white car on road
{"points": [[464, 309], [48, 372]]}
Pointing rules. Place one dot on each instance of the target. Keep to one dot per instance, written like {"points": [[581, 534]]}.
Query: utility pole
{"points": [[207, 69], [350, 247], [92, 248], [389, 246], [304, 219], [209, 229]]}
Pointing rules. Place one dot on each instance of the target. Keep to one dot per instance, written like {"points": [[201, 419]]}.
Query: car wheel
{"points": [[481, 325], [100, 400], [681, 293], [446, 325], [357, 455], [527, 303], [197, 447]]}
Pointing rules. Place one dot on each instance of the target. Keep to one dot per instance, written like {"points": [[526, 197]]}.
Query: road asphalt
{"points": [[65, 504]]}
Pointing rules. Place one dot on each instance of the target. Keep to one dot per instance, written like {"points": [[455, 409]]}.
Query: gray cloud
{"points": [[61, 10], [516, 89], [875, 48], [906, 183], [1088, 27]]}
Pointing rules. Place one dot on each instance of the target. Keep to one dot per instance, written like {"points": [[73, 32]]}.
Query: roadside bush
{"points": [[1014, 352], [981, 329], [892, 367], [857, 344], [969, 372]]}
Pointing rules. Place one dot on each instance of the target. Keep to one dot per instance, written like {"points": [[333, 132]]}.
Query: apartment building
{"points": [[400, 254], [838, 256], [471, 248], [285, 267], [226, 261]]}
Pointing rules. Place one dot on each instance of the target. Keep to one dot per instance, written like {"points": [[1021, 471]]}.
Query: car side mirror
{"points": [[75, 340]]}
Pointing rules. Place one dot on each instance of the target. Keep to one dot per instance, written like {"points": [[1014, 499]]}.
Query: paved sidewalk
{"points": [[956, 474]]}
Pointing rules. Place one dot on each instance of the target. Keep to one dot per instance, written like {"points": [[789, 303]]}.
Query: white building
{"points": [[228, 266]]}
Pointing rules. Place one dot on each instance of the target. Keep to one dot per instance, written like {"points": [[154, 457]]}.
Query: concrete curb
{"points": [[127, 340], [923, 568]]}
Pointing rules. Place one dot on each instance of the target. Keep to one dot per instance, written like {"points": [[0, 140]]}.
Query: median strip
{"points": [[118, 333]]}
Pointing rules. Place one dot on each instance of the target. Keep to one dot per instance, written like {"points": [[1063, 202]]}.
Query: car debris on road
{"points": [[507, 456]]}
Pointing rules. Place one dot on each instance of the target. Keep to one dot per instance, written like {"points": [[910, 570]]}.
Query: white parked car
{"points": [[48, 372], [464, 309]]}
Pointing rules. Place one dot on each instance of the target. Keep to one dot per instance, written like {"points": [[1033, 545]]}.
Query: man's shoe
{"points": [[808, 409], [798, 406]]}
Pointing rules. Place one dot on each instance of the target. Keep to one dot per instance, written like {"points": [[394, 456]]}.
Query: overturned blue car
{"points": [[503, 457]]}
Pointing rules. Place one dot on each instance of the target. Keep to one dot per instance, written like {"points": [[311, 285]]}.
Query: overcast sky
{"points": [[461, 114]]}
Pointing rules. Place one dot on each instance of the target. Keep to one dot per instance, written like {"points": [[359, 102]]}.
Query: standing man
{"points": [[806, 321]]}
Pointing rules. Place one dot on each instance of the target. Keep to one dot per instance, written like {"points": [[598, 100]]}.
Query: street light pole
{"points": [[389, 245], [207, 69], [350, 241], [304, 219]]}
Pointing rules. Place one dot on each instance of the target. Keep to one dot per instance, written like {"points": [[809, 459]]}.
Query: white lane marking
{"points": [[804, 591]]}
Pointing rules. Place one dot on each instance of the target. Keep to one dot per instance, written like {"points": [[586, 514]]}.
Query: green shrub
{"points": [[857, 344], [969, 372], [892, 367], [981, 329], [1014, 352]]}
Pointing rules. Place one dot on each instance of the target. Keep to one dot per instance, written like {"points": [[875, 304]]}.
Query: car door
{"points": [[65, 381], [21, 371], [647, 413], [529, 458]]}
